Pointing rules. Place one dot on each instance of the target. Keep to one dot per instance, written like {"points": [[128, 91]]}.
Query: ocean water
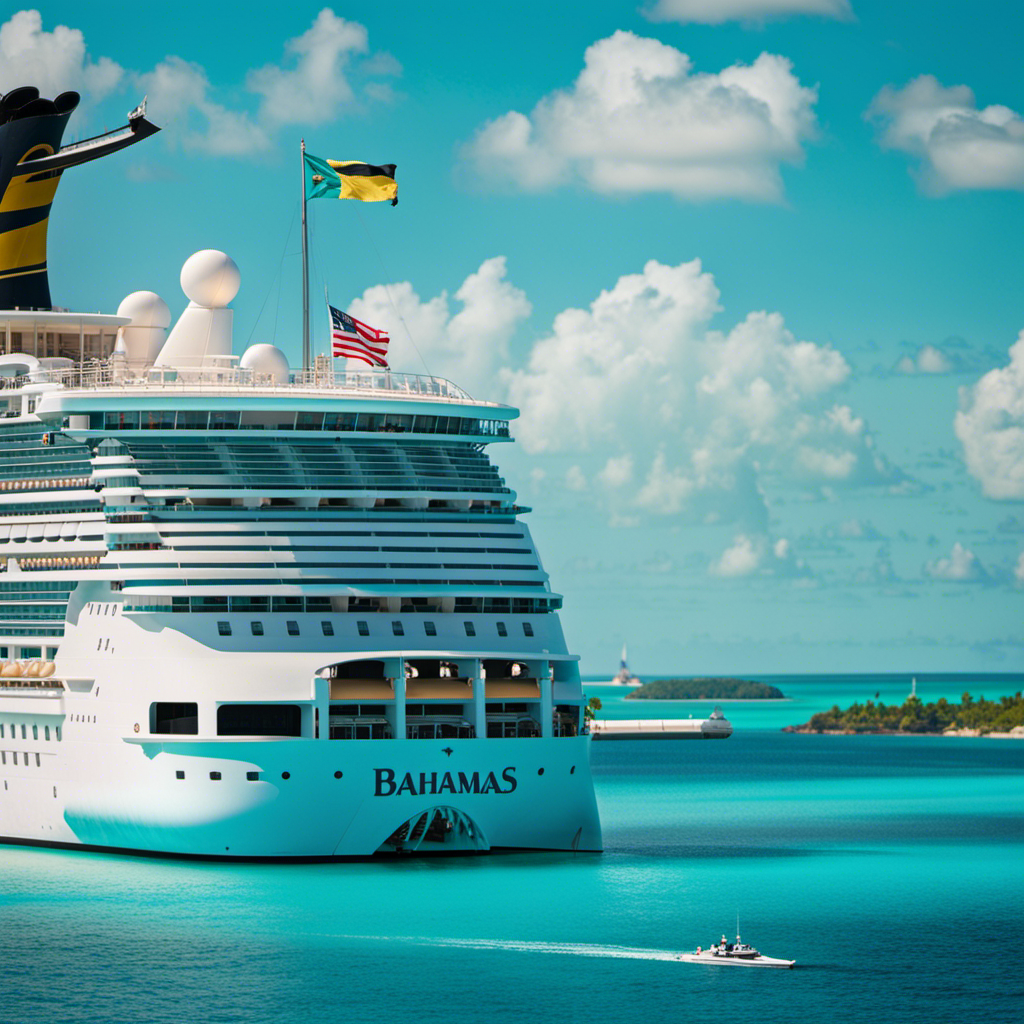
{"points": [[890, 868]]}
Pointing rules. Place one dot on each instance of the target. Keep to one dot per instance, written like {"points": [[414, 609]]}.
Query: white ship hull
{"points": [[90, 771], [312, 813]]}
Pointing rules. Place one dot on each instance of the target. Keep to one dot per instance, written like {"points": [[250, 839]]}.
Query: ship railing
{"points": [[103, 375]]}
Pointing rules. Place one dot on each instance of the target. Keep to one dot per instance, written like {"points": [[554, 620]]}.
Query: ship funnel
{"points": [[31, 163]]}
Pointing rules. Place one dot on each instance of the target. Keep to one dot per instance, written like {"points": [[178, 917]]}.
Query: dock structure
{"points": [[717, 727]]}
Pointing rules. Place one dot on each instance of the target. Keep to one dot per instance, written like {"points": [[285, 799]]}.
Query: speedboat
{"points": [[736, 953]]}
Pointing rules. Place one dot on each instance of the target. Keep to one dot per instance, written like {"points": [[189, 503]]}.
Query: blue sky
{"points": [[751, 268]]}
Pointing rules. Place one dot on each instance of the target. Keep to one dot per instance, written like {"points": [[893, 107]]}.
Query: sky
{"points": [[750, 269]]}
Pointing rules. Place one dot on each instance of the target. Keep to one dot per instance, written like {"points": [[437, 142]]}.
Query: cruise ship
{"points": [[248, 611]]}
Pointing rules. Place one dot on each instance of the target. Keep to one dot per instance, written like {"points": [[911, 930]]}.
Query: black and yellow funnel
{"points": [[31, 163]]}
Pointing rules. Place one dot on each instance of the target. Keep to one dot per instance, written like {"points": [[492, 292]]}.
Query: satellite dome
{"points": [[146, 309], [266, 361], [210, 278]]}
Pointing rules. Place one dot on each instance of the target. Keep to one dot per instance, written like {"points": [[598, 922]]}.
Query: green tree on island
{"points": [[914, 716]]}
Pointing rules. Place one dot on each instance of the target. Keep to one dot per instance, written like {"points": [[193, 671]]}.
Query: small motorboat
{"points": [[737, 953]]}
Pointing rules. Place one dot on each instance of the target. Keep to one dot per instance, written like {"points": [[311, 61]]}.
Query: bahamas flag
{"points": [[350, 179]]}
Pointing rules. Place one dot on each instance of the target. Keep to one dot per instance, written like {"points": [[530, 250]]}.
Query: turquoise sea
{"points": [[890, 868]]}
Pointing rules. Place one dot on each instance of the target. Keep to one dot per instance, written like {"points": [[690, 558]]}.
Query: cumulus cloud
{"points": [[927, 359], [179, 97], [618, 471], [575, 479], [960, 567], [467, 346], [990, 426], [53, 61], [313, 84], [699, 416], [638, 119], [750, 555], [714, 12], [958, 145]]}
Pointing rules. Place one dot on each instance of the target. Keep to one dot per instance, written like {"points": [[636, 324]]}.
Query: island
{"points": [[705, 688], [1002, 717]]}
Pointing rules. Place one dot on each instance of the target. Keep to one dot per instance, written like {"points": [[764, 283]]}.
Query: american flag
{"points": [[352, 339]]}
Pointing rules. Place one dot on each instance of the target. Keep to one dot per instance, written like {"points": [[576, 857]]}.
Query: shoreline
{"points": [[1016, 734]]}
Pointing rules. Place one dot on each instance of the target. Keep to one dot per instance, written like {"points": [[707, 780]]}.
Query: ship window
{"points": [[1, 730], [170, 717], [502, 630], [397, 628], [257, 628], [57, 730], [215, 776], [293, 628], [252, 776], [328, 628], [224, 628], [470, 629], [35, 732], [259, 720], [430, 629], [364, 629], [179, 774], [527, 629], [23, 736], [46, 732]]}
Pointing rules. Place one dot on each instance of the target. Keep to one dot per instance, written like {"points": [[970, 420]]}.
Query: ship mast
{"points": [[305, 265]]}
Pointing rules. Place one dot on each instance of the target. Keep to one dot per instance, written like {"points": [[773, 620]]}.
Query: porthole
{"points": [[252, 776], [540, 771], [572, 770], [179, 774], [337, 775], [286, 775], [215, 776]]}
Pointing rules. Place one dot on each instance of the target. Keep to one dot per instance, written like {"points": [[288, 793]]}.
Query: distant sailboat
{"points": [[624, 677]]}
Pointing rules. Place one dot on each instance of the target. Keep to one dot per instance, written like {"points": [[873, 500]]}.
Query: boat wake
{"points": [[521, 946]]}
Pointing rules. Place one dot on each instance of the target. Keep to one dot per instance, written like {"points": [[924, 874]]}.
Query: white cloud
{"points": [[960, 567], [927, 359], [990, 426], [741, 559], [702, 416], [54, 61], [750, 555], [618, 471], [575, 479], [714, 12], [316, 86], [179, 98], [466, 347], [312, 85], [958, 145], [638, 119]]}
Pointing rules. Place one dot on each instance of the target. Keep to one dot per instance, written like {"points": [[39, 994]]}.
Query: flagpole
{"points": [[305, 268]]}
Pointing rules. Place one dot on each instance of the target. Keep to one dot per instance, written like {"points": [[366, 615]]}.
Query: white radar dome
{"points": [[146, 309], [210, 278], [266, 361]]}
